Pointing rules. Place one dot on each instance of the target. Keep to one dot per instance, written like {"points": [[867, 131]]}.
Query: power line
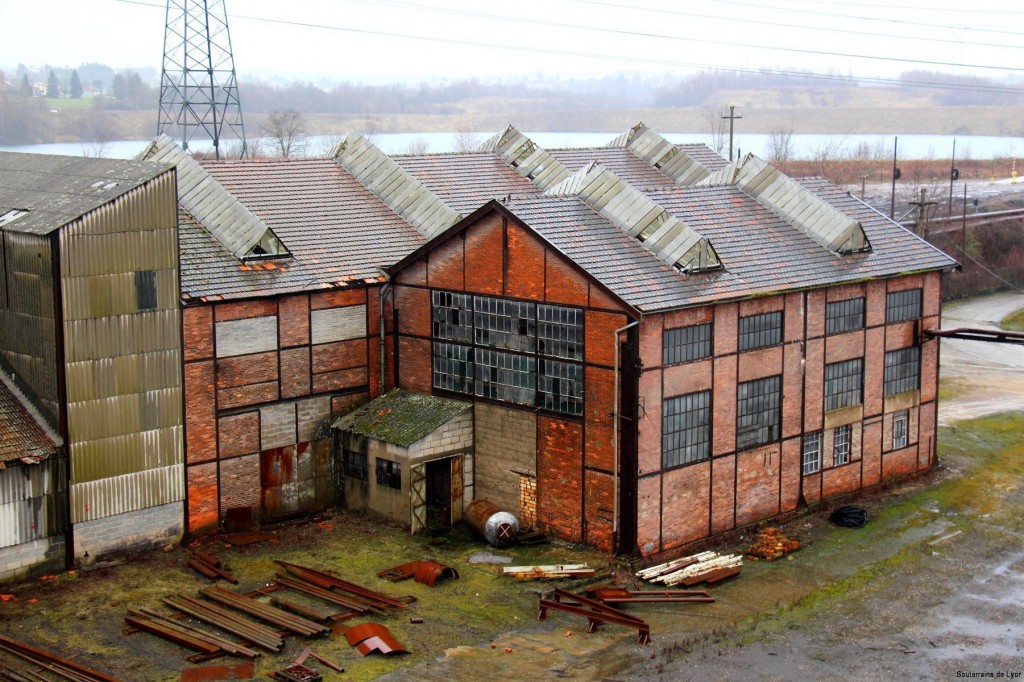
{"points": [[783, 24], [875, 80], [913, 8]]}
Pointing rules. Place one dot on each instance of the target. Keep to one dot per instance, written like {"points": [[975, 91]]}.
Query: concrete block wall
{"points": [[136, 531], [31, 558], [506, 446]]}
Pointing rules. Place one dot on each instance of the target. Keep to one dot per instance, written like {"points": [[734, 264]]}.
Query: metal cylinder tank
{"points": [[488, 522]]}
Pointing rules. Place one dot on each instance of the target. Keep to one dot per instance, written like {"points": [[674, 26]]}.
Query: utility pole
{"points": [[863, 180], [895, 177], [732, 119], [198, 88], [954, 175], [922, 204]]}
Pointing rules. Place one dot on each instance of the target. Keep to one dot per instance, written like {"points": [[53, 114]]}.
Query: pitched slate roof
{"points": [[55, 190], [466, 180], [761, 253], [20, 434], [338, 232], [619, 160], [401, 417]]}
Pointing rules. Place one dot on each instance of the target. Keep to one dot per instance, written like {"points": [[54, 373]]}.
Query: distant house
{"points": [[91, 423]]}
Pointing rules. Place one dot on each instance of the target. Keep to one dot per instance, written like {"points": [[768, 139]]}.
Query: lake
{"points": [[803, 146]]}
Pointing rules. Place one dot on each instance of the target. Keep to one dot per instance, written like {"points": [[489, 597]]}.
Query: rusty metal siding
{"points": [[31, 502], [27, 320], [123, 363]]}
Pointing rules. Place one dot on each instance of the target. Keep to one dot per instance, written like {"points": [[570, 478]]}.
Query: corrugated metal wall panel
{"points": [[131, 492], [124, 414], [96, 379], [31, 502], [93, 339], [125, 454]]}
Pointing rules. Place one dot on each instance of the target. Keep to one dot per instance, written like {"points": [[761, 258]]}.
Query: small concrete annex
{"points": [[90, 347]]}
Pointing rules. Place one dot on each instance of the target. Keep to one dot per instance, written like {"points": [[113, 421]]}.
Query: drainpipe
{"points": [[382, 323], [615, 436]]}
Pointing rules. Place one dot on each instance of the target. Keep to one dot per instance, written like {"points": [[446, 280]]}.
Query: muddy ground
{"points": [[933, 585]]}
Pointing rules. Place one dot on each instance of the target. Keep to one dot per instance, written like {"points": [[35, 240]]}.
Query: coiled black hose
{"points": [[849, 517]]}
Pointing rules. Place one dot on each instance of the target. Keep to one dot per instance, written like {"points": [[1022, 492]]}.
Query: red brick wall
{"points": [[245, 309], [202, 497], [413, 311], [597, 405], [686, 505], [486, 274], [240, 483], [564, 284], [293, 321], [600, 333], [723, 494], [200, 412], [338, 298], [560, 477], [197, 332], [415, 364], [295, 372], [757, 483], [524, 277], [445, 265], [599, 509], [242, 370], [239, 434]]}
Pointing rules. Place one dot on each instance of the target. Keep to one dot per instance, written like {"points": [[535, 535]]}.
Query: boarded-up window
{"points": [[145, 290], [338, 324], [241, 337]]}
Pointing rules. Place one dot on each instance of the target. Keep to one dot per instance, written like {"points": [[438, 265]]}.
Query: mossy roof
{"points": [[401, 417]]}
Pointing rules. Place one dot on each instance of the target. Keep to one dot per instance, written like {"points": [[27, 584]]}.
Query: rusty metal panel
{"points": [[131, 492], [296, 479], [457, 489], [31, 502]]}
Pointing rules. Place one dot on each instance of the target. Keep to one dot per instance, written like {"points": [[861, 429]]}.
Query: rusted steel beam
{"points": [[169, 624], [595, 613], [333, 582], [171, 635], [299, 609], [320, 593], [30, 653], [248, 630], [270, 614], [618, 595], [203, 568], [239, 671]]}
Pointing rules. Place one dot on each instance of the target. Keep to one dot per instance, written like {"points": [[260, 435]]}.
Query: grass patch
{"points": [[1014, 322]]}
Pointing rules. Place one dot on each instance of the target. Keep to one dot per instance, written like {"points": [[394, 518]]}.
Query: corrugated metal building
{"points": [[92, 336]]}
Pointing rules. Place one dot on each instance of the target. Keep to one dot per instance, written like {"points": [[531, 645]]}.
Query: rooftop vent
{"points": [[683, 169], [529, 160]]}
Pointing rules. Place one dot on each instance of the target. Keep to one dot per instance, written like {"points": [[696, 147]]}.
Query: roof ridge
{"points": [[667, 157]]}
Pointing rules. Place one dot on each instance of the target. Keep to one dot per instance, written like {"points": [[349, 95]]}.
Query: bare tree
{"points": [[286, 133], [780, 147], [717, 126], [465, 139], [419, 146]]}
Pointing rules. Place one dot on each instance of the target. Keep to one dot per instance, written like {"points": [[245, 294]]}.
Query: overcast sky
{"points": [[413, 40]]}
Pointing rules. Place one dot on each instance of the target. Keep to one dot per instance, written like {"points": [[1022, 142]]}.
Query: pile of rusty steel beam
{"points": [[551, 572], [254, 633], [706, 567], [174, 630], [265, 612], [770, 544], [338, 590], [596, 612], [44, 661], [208, 565], [424, 571]]}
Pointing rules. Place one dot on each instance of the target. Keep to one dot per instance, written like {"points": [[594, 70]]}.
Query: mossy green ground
{"points": [[1013, 322]]}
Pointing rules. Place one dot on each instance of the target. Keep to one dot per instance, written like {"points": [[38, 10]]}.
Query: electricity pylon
{"points": [[198, 88]]}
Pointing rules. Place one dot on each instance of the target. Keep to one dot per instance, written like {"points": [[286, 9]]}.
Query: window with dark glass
{"points": [[758, 412], [844, 383], [685, 429], [844, 316], [452, 316], [355, 464], [685, 344], [759, 331], [841, 445], [145, 290], [389, 474], [902, 305], [514, 351], [812, 453], [902, 370], [560, 331], [900, 422]]}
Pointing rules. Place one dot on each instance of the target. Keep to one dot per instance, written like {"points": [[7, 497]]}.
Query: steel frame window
{"points": [[355, 464], [844, 384], [758, 412], [760, 331], [902, 370], [145, 290], [900, 428], [508, 350], [685, 344], [685, 429], [902, 305], [844, 316], [812, 453], [389, 474], [841, 445]]}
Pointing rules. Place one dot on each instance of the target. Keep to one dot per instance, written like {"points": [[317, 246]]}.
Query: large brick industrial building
{"points": [[656, 344]]}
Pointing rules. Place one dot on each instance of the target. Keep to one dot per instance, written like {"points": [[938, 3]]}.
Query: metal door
{"points": [[458, 486]]}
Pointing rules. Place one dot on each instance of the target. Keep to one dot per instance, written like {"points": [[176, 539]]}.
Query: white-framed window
{"points": [[812, 453], [900, 427], [841, 445]]}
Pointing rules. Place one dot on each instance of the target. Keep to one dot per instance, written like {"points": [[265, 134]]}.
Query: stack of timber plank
{"points": [[709, 567], [548, 572]]}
